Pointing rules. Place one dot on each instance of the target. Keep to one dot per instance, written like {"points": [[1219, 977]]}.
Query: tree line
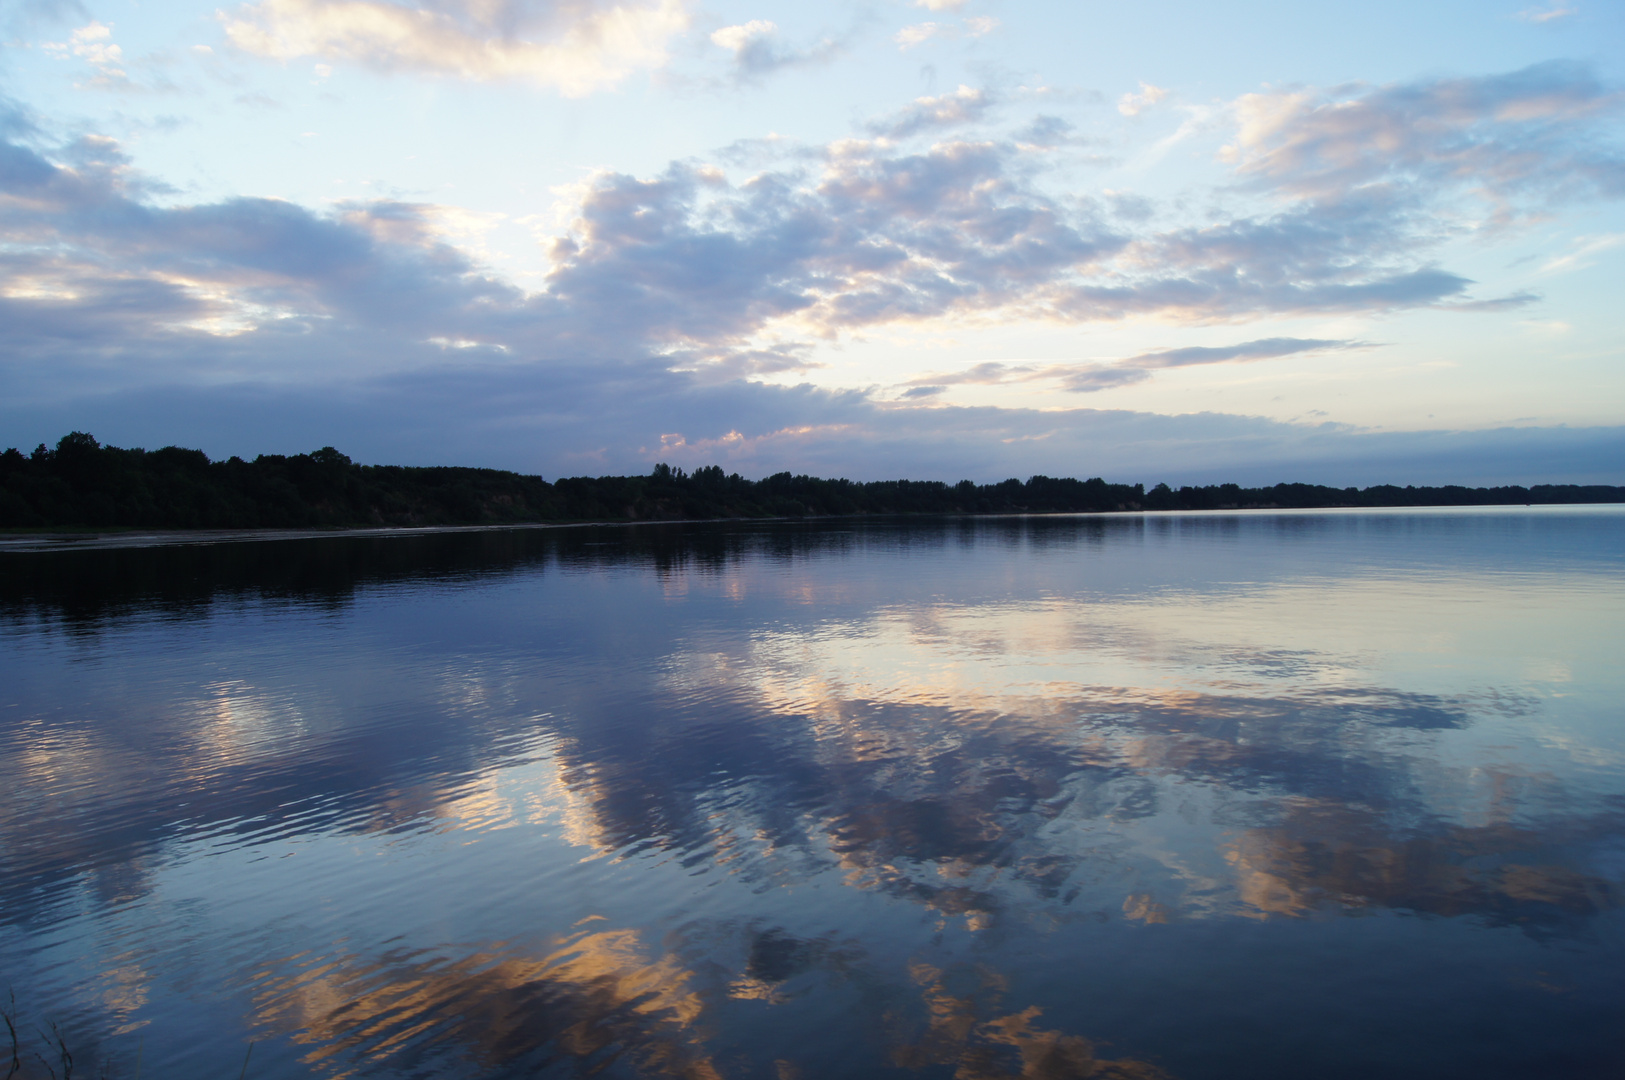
{"points": [[83, 484]]}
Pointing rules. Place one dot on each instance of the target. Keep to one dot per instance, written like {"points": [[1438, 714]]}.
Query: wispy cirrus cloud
{"points": [[1582, 253], [575, 48], [1090, 377], [1545, 13]]}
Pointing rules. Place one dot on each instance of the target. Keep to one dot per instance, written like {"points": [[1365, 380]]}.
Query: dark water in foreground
{"points": [[1296, 795]]}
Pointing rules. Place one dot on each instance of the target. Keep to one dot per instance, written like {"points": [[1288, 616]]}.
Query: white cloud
{"points": [[1548, 13], [92, 43], [574, 48], [918, 34], [940, 5], [1134, 104], [737, 38]]}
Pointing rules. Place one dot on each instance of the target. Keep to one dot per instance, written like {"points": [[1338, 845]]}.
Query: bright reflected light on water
{"points": [[1318, 794]]}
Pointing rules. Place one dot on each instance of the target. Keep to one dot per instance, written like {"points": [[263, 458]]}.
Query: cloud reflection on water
{"points": [[1036, 734], [594, 998]]}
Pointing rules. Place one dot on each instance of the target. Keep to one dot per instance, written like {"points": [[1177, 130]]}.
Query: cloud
{"points": [[1086, 378], [920, 33], [668, 293], [940, 5], [574, 420], [1045, 132], [1497, 303], [874, 237], [1518, 142], [964, 106], [1263, 349], [721, 365], [1582, 248], [880, 236], [252, 325], [687, 261], [1136, 368], [93, 44], [737, 38], [88, 259], [575, 48], [757, 50], [1550, 12], [1135, 104]]}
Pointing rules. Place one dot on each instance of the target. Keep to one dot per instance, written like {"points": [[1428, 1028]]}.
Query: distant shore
{"points": [[37, 540], [82, 488]]}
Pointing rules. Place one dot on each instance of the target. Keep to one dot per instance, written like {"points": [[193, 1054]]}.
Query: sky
{"points": [[942, 239]]}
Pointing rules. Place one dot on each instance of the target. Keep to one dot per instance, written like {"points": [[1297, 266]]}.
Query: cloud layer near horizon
{"points": [[671, 289], [582, 421]]}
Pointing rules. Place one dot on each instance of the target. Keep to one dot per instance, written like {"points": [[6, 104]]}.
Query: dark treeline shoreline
{"points": [[82, 484]]}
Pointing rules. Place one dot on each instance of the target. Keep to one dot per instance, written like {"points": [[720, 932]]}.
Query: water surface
{"points": [[1322, 794]]}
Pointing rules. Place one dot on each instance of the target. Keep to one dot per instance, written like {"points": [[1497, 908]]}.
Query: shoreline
{"points": [[37, 541]]}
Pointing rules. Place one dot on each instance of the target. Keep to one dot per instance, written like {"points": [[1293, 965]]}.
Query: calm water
{"points": [[1257, 795]]}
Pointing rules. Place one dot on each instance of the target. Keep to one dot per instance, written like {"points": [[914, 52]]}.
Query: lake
{"points": [[1316, 794]]}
